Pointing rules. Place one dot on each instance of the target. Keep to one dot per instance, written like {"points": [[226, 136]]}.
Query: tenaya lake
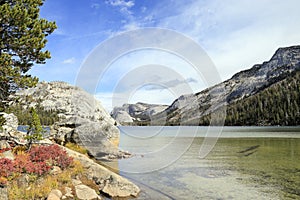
{"points": [[245, 163]]}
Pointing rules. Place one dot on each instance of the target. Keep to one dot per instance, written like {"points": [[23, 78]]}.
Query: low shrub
{"points": [[41, 188], [53, 154], [38, 161], [7, 167]]}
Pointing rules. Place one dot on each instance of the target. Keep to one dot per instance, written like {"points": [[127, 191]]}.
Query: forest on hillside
{"points": [[276, 105], [47, 117]]}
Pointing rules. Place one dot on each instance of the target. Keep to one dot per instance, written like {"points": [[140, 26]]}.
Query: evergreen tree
{"points": [[35, 128], [23, 38]]}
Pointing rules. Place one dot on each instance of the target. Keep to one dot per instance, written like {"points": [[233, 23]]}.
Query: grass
{"points": [[39, 188], [77, 148]]}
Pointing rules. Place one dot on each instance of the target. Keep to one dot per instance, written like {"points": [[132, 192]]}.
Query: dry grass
{"points": [[77, 148], [39, 188]]}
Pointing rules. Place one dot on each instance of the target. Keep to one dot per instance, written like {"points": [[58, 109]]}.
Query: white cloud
{"points": [[236, 34], [69, 61], [110, 100], [123, 5]]}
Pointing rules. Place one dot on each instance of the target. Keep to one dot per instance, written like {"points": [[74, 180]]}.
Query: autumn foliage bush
{"points": [[38, 161], [53, 155]]}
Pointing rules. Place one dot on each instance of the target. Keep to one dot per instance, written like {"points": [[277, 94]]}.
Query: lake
{"points": [[245, 162]]}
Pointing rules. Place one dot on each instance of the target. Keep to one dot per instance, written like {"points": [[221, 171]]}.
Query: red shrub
{"points": [[39, 160], [53, 155], [39, 168], [6, 167]]}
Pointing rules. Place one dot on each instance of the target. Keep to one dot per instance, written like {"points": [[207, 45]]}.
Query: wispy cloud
{"points": [[170, 84], [95, 6], [69, 61], [123, 5], [236, 34]]}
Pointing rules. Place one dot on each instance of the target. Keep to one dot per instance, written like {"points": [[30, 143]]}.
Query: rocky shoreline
{"points": [[105, 182], [81, 121]]}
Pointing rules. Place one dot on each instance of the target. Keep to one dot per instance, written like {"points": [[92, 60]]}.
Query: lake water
{"points": [[245, 163]]}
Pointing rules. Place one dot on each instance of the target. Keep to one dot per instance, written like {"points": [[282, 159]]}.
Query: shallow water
{"points": [[245, 163]]}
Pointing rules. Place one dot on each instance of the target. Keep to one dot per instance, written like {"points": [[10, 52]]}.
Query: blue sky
{"points": [[236, 34]]}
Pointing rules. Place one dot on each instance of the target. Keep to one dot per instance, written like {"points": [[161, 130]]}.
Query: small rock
{"points": [[76, 182], [8, 154], [45, 141], [3, 194], [85, 193], [55, 170], [23, 180], [68, 192], [4, 144], [54, 195]]}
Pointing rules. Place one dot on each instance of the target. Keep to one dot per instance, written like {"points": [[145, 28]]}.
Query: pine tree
{"points": [[23, 38], [35, 128]]}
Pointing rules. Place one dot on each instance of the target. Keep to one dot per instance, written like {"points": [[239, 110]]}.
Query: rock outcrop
{"points": [[109, 182], [10, 129], [134, 113], [82, 119]]}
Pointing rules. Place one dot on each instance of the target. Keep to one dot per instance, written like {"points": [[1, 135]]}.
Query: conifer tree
{"points": [[22, 41]]}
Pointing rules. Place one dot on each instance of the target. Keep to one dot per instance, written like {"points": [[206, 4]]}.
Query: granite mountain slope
{"points": [[190, 109]]}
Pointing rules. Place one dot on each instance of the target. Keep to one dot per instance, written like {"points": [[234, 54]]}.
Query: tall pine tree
{"points": [[22, 41]]}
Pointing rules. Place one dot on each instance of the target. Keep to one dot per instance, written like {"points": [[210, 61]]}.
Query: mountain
{"points": [[80, 118], [235, 93], [136, 113], [276, 105]]}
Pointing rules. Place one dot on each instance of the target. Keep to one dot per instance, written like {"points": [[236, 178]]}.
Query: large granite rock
{"points": [[82, 119], [11, 122], [10, 128]]}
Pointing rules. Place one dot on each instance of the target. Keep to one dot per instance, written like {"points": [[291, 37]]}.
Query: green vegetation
{"points": [[276, 105], [77, 148], [23, 39], [47, 117], [35, 128]]}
